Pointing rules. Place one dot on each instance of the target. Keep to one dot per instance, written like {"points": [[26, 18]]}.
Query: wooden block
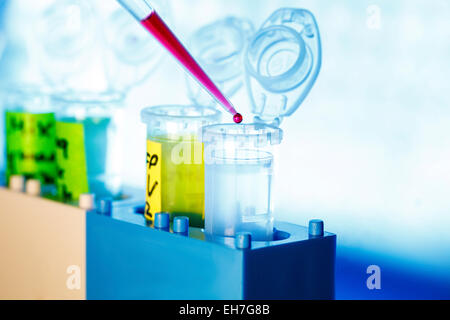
{"points": [[42, 249]]}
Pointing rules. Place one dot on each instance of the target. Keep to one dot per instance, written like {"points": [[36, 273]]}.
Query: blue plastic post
{"points": [[105, 207], [316, 228], [162, 221], [243, 240], [181, 225]]}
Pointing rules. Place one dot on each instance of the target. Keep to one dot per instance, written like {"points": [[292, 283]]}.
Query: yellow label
{"points": [[154, 187], [72, 174]]}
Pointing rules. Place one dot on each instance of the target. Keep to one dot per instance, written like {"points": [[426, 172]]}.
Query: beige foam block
{"points": [[42, 249]]}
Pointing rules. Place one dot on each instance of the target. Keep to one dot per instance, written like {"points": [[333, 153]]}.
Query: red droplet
{"points": [[238, 118]]}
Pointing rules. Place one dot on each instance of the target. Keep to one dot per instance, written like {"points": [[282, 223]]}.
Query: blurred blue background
{"points": [[369, 150]]}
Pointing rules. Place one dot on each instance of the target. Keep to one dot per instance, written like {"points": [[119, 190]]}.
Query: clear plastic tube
{"points": [[239, 169]]}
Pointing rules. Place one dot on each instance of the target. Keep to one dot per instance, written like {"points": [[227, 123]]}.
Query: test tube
{"points": [[88, 144], [239, 170], [30, 134], [175, 168], [2, 139]]}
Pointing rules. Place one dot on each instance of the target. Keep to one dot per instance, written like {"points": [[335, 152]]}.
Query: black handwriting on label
{"points": [[153, 188], [67, 196], [152, 161], [14, 158], [63, 190], [16, 124], [42, 158], [64, 145], [60, 173], [44, 129], [148, 214], [38, 157], [48, 179], [10, 162]]}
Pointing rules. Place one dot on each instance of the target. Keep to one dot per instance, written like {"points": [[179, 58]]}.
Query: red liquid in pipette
{"points": [[156, 26]]}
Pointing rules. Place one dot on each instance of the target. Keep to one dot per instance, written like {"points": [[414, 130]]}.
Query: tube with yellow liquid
{"points": [[175, 169]]}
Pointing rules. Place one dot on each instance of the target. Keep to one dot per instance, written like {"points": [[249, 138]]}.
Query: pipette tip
{"points": [[237, 118]]}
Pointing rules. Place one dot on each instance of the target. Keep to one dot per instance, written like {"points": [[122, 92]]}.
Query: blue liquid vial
{"points": [[239, 178], [88, 146]]}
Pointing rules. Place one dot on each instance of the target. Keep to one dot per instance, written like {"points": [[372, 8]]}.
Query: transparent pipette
{"points": [[147, 16]]}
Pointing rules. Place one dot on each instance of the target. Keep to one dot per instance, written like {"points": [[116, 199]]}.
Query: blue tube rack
{"points": [[126, 259]]}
